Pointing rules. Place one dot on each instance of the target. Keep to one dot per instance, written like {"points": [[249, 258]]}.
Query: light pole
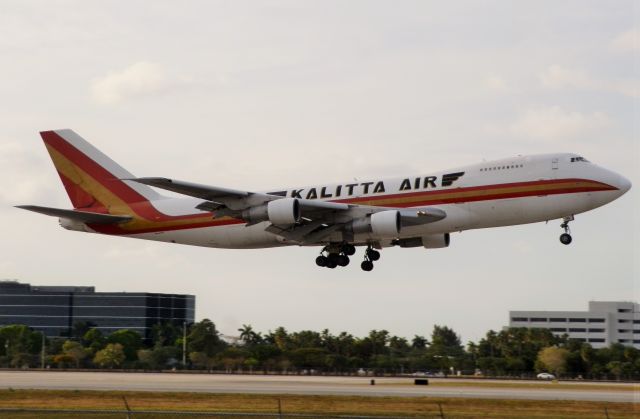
{"points": [[184, 344], [42, 353]]}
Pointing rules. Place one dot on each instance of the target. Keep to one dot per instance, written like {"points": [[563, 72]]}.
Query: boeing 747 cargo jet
{"points": [[410, 211]]}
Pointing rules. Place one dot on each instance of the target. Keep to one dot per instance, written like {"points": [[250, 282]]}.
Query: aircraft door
{"points": [[555, 162]]}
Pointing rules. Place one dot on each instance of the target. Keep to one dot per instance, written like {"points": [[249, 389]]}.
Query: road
{"points": [[258, 384]]}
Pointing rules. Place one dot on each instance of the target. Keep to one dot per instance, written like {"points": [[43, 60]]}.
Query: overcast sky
{"points": [[263, 95]]}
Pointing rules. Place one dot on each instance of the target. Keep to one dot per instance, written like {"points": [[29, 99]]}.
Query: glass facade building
{"points": [[55, 310]]}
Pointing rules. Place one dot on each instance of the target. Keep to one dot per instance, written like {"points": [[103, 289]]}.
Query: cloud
{"points": [[628, 41], [496, 83], [164, 257], [28, 183], [558, 77], [138, 80], [557, 124]]}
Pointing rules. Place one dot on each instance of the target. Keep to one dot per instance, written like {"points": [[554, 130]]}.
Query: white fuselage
{"points": [[519, 190]]}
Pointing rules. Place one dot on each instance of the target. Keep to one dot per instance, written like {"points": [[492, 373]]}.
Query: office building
{"points": [[55, 310], [605, 322]]}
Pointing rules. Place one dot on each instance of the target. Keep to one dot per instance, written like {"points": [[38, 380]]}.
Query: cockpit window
{"points": [[582, 159]]}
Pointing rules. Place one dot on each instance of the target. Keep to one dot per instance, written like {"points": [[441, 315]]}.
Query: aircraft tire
{"points": [[373, 255], [343, 260], [321, 261], [366, 265], [565, 238], [349, 249]]}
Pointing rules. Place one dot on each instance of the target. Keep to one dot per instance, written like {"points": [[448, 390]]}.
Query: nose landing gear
{"points": [[565, 238]]}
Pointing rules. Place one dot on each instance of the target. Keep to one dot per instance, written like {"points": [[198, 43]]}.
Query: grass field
{"points": [[335, 405]]}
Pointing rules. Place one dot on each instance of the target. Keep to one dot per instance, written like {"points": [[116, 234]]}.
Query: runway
{"points": [[259, 384]]}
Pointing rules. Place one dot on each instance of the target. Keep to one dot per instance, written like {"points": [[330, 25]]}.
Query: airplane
{"points": [[411, 211]]}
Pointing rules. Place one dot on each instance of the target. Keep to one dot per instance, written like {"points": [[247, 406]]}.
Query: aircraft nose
{"points": [[624, 184]]}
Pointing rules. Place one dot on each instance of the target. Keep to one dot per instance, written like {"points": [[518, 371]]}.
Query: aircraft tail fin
{"points": [[91, 179]]}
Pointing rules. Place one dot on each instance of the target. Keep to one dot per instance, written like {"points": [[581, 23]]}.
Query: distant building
{"points": [[605, 322], [55, 310]]}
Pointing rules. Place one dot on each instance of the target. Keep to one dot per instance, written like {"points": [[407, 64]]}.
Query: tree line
{"points": [[514, 352]]}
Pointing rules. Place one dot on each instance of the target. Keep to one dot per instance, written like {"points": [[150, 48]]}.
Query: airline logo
{"points": [[364, 188]]}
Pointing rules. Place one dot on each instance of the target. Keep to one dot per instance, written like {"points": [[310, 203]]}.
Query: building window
{"points": [[579, 339], [577, 329], [624, 310], [596, 330], [624, 331], [596, 320], [577, 320], [596, 340], [519, 319], [636, 331], [636, 341], [538, 319], [636, 322], [624, 321], [623, 340], [558, 319], [557, 329]]}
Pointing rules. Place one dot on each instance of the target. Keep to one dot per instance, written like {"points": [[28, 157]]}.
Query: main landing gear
{"points": [[565, 238], [336, 255], [370, 256]]}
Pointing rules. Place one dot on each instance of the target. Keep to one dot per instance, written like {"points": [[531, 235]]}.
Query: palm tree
{"points": [[247, 335]]}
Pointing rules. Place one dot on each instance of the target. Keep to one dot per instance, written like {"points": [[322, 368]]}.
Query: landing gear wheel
{"points": [[321, 261], [349, 249], [373, 255], [331, 264], [366, 266], [342, 260], [565, 238]]}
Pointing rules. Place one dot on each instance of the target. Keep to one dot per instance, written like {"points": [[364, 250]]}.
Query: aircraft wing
{"points": [[319, 218], [81, 216], [233, 199], [219, 197]]}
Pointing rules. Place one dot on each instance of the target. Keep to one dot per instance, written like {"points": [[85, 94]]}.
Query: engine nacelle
{"points": [[432, 241], [283, 211], [381, 224], [436, 241]]}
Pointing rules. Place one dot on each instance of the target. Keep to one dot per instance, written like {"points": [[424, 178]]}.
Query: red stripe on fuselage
{"points": [[601, 187], [597, 186]]}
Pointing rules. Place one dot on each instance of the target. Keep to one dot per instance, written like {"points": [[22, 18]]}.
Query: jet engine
{"points": [[382, 224], [436, 241], [432, 241], [283, 211]]}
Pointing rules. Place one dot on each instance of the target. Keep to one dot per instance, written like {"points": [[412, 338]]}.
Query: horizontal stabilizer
{"points": [[81, 216]]}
